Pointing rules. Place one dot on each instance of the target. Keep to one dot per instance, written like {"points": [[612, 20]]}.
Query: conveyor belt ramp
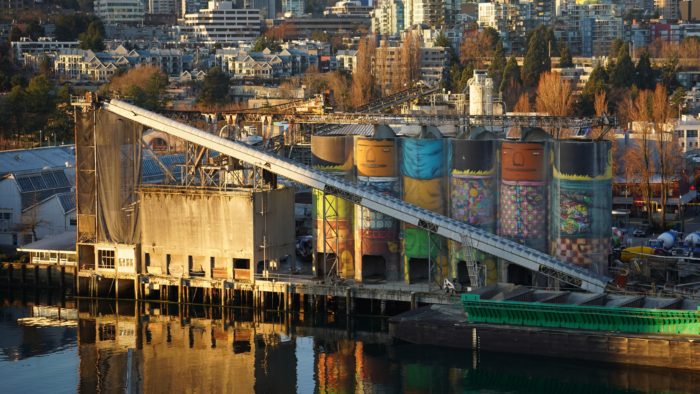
{"points": [[449, 228]]}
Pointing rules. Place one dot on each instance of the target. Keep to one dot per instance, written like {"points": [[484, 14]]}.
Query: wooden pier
{"points": [[285, 294], [38, 276]]}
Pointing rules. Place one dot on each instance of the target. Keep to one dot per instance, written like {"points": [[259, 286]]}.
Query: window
{"points": [[241, 264], [105, 259], [126, 263], [148, 259], [73, 222], [691, 134], [5, 220]]}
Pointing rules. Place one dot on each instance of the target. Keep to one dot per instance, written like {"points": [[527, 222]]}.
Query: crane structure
{"points": [[370, 198]]}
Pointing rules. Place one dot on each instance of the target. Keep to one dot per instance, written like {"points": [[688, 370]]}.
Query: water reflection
{"points": [[235, 350]]}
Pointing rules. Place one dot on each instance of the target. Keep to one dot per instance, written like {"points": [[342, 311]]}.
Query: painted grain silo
{"points": [[377, 254], [523, 193], [423, 177], [473, 186], [581, 202], [333, 154]]}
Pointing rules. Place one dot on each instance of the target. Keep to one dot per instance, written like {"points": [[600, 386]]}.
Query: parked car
{"points": [[641, 232]]}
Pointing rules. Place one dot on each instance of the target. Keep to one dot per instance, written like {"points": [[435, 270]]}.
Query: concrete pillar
{"points": [[10, 270], [116, 287], [137, 288], [348, 301], [414, 301], [382, 307], [36, 276]]}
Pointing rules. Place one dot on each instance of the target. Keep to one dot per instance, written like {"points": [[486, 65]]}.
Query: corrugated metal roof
{"points": [[152, 172], [42, 180], [28, 160], [366, 130], [67, 201]]}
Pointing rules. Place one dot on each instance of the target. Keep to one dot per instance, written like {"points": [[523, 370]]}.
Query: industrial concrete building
{"points": [[210, 220]]}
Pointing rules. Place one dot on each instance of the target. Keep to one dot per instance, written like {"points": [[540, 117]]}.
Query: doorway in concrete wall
{"points": [[418, 270], [462, 273], [373, 268]]}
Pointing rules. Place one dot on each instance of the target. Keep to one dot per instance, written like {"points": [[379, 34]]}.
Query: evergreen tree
{"points": [[459, 77], [645, 74], [622, 75], [615, 47], [565, 59], [92, 37], [668, 73], [597, 82], [537, 58], [498, 64], [215, 87], [511, 75]]}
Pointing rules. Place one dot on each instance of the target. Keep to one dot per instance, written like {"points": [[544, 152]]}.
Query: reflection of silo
{"points": [[376, 235], [423, 170], [333, 154], [581, 203], [473, 199], [480, 94], [523, 197]]}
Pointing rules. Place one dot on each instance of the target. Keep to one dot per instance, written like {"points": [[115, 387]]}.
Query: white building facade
{"points": [[120, 11], [220, 22]]}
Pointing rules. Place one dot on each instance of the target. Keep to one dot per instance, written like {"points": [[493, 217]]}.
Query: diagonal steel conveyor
{"points": [[370, 198]]}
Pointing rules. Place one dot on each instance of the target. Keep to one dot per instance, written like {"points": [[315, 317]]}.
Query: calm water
{"points": [[211, 350]]}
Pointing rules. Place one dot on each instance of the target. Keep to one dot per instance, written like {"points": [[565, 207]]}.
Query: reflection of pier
{"points": [[203, 348]]}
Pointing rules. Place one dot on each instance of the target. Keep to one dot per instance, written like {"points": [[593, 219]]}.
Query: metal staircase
{"points": [[370, 198]]}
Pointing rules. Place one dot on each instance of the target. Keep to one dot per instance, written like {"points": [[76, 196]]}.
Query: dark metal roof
{"points": [[41, 181], [67, 201]]}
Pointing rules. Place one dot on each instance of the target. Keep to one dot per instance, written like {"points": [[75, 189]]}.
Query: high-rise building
{"points": [[669, 9], [589, 28], [293, 7], [120, 11], [428, 12], [162, 7], [191, 7], [511, 20], [220, 22], [268, 8], [388, 17]]}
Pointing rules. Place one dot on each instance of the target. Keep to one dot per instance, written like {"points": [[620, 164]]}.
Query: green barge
{"points": [[626, 329]]}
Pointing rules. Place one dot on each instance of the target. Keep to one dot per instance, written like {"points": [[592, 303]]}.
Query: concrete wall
{"points": [[277, 224], [207, 225]]}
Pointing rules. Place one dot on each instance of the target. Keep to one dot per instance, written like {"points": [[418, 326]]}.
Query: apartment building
{"points": [[220, 22], [388, 17], [120, 11]]}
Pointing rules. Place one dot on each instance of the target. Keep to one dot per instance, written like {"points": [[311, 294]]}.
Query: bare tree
{"points": [[667, 147], [361, 91], [409, 60], [523, 104], [477, 49], [554, 95]]}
